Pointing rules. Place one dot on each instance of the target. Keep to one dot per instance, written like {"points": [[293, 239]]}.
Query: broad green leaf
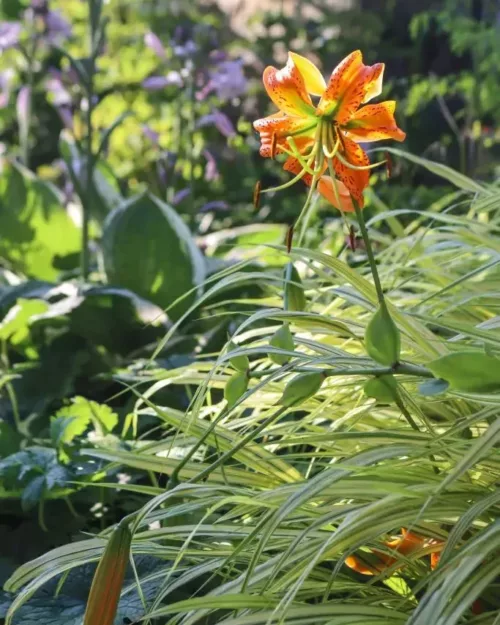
{"points": [[470, 371], [148, 249], [37, 233], [15, 325]]}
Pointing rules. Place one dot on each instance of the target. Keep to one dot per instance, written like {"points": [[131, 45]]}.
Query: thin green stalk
{"points": [[369, 252], [86, 201], [30, 55], [397, 369]]}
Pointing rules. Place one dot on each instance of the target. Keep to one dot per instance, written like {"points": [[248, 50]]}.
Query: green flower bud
{"points": [[240, 363], [301, 387], [382, 338], [236, 386], [282, 339], [295, 299]]}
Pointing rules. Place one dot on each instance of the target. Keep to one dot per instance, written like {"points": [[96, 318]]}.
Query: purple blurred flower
{"points": [[6, 78], [185, 50], [214, 205], [60, 96], [57, 27], [217, 56], [23, 113], [55, 87], [157, 83], [10, 33], [179, 196], [152, 135], [227, 80], [211, 170], [154, 43], [220, 120]]}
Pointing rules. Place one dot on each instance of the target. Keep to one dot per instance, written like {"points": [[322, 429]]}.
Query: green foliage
{"points": [[148, 249], [471, 371], [37, 233]]}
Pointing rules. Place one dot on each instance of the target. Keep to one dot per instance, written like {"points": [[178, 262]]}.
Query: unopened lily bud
{"points": [[108, 579], [256, 194], [382, 338], [240, 363], [295, 299], [282, 339], [236, 386], [301, 387]]}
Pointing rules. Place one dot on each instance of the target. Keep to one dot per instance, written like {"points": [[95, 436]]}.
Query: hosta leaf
{"points": [[36, 229], [148, 249]]}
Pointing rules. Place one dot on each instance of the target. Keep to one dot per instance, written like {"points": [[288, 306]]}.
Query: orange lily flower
{"points": [[326, 134], [406, 544]]}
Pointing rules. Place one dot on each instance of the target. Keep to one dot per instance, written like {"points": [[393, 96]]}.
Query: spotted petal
{"points": [[374, 123], [355, 180], [313, 78], [287, 89], [282, 126], [351, 84], [338, 197]]}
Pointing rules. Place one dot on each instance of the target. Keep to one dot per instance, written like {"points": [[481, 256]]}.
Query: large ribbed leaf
{"points": [[149, 250]]}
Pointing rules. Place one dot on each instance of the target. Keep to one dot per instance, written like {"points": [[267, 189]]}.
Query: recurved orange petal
{"points": [[350, 84], [341, 199], [406, 545], [355, 180], [340, 79], [375, 122], [338, 197], [282, 126], [287, 89]]}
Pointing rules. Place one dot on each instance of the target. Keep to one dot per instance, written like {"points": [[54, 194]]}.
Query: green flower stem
{"points": [[398, 369], [369, 252]]}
